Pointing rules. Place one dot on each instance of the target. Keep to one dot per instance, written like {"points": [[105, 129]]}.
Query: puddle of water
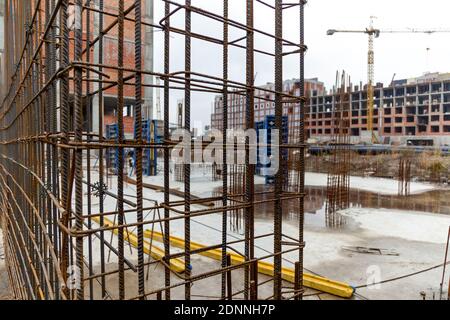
{"points": [[437, 202]]}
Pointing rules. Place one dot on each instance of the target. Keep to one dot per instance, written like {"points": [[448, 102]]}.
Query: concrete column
{"points": [[148, 50], [430, 107], [381, 111]]}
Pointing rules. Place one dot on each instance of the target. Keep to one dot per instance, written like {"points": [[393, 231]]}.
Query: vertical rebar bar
{"points": [[139, 138], [120, 155], [166, 151], [302, 140], [78, 154], [249, 124], [187, 153], [88, 151], [224, 147], [101, 152], [278, 210]]}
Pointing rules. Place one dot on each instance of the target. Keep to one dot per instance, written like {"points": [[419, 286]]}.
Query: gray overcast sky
{"points": [[403, 54]]}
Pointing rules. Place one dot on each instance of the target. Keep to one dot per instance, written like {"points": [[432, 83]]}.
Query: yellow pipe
{"points": [[176, 265], [333, 287]]}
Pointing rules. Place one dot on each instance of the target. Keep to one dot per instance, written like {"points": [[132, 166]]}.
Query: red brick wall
{"points": [[128, 123], [110, 46]]}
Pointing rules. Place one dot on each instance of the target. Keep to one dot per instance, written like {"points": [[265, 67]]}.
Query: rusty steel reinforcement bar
{"points": [[65, 141], [249, 169], [166, 151], [187, 166], [226, 277], [120, 156], [138, 137], [302, 140], [278, 207]]}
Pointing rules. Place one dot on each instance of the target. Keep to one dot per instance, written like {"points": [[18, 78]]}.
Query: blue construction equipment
{"points": [[152, 132], [112, 154], [264, 137]]}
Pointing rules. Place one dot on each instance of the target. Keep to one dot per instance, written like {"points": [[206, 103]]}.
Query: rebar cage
{"points": [[56, 189]]}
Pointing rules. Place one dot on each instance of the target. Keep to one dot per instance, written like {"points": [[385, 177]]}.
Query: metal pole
{"points": [[166, 151], [224, 151], [139, 138], [78, 154], [278, 210], [249, 168], [120, 161], [302, 140], [187, 153]]}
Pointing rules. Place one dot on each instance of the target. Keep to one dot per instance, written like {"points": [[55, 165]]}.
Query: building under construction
{"points": [[406, 110], [72, 228], [416, 109]]}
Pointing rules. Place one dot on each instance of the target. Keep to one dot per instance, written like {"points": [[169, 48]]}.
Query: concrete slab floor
{"points": [[360, 269], [207, 289], [419, 237]]}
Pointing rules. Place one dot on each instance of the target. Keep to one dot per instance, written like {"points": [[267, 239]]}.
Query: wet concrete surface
{"points": [[436, 201], [206, 289]]}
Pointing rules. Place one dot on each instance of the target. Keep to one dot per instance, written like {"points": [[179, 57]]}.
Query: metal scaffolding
{"points": [[58, 234]]}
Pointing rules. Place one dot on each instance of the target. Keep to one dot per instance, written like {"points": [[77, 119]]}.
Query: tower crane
{"points": [[372, 34]]}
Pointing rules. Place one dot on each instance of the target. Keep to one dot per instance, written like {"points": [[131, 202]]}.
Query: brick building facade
{"points": [[110, 48], [411, 108], [417, 107]]}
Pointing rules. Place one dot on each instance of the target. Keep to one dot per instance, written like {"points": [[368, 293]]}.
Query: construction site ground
{"points": [[208, 289], [418, 237], [4, 283]]}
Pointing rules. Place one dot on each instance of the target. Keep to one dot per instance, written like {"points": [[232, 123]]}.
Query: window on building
{"points": [[435, 118], [410, 131]]}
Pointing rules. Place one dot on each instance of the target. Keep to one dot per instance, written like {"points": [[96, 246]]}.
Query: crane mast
{"points": [[371, 80]]}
